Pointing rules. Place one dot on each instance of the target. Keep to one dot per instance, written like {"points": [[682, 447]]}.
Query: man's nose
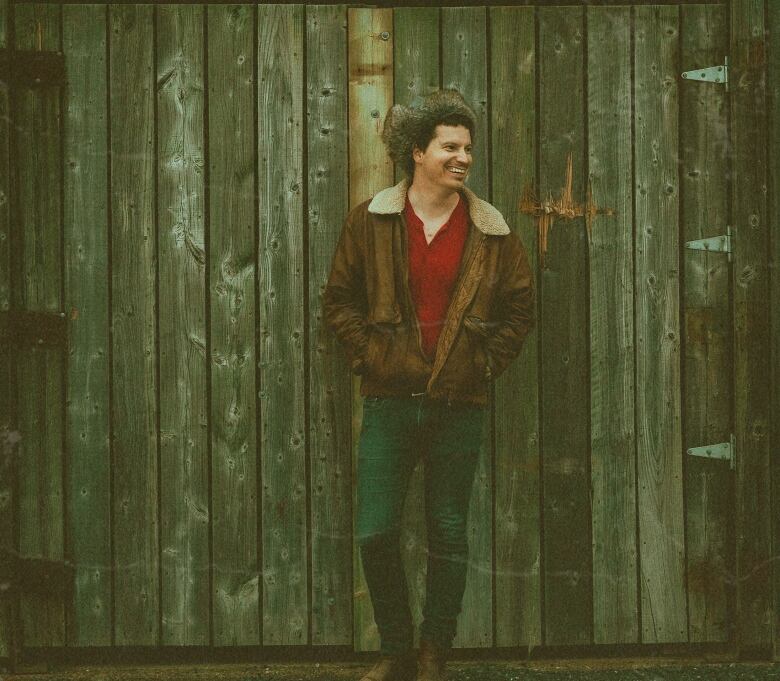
{"points": [[463, 157]]}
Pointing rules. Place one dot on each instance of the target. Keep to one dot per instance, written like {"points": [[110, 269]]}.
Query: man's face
{"points": [[447, 159]]}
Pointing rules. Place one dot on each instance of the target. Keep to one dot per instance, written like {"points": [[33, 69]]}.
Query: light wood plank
{"points": [[281, 295], [184, 456], [517, 520], [232, 289], [330, 405], [40, 370], [87, 304], [613, 438], [370, 58], [708, 341], [657, 282], [464, 67], [752, 363], [566, 543], [135, 495]]}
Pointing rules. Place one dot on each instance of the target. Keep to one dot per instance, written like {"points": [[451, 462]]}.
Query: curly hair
{"points": [[407, 127]]}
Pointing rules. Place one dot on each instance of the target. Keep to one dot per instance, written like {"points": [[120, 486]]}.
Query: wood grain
{"points": [[612, 390], [330, 404], [232, 289], [135, 495], [281, 295], [567, 554], [516, 478], [87, 305], [184, 455], [657, 282]]}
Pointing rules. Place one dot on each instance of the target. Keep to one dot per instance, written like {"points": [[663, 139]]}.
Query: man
{"points": [[431, 296]]}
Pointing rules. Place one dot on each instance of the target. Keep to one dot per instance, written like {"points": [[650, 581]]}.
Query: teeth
{"points": [[457, 170]]}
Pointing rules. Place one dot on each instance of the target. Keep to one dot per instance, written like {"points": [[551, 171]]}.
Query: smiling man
{"points": [[432, 296]]}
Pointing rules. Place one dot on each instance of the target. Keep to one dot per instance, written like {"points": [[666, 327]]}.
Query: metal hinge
{"points": [[722, 450], [711, 74], [718, 244]]}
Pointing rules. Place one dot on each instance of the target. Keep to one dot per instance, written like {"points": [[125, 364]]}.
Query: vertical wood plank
{"points": [[464, 66], [773, 87], [416, 74], [232, 286], [7, 450], [281, 295], [370, 66], [87, 305], [708, 399], [40, 370], [659, 436], [752, 362], [184, 462], [330, 393], [133, 312], [513, 168], [613, 439], [563, 326]]}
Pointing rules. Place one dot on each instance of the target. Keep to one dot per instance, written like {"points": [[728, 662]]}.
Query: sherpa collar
{"points": [[485, 217]]}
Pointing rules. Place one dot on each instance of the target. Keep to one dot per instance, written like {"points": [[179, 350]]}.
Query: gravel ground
{"points": [[574, 670]]}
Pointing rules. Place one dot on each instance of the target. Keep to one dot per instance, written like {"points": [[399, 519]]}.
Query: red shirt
{"points": [[433, 269]]}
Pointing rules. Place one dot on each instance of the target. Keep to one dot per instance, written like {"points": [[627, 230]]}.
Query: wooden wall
{"points": [[193, 450]]}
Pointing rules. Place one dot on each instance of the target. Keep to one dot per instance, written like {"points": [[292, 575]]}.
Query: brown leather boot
{"points": [[430, 662], [397, 668]]}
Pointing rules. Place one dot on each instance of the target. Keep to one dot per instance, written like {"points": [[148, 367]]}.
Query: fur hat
{"points": [[407, 126]]}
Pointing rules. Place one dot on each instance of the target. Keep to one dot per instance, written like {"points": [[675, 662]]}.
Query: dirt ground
{"points": [[646, 669]]}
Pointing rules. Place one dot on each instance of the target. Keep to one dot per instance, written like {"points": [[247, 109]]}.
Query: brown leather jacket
{"points": [[367, 303]]}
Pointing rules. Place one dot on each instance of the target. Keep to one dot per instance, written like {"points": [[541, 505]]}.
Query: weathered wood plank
{"points": [[657, 281], [330, 405], [40, 370], [708, 400], [370, 59], [513, 168], [184, 460], [567, 553], [232, 290], [749, 138], [87, 304], [416, 74], [773, 86], [134, 348], [464, 66], [7, 400], [613, 438], [281, 294]]}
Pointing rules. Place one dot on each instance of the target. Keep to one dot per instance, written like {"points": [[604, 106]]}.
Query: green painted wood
{"points": [[370, 66], [752, 363], [330, 404], [135, 494], [708, 398], [7, 400], [464, 66], [516, 479], [231, 263], [87, 305], [567, 554], [773, 91], [184, 456], [657, 281], [612, 390], [40, 370], [416, 73], [280, 285]]}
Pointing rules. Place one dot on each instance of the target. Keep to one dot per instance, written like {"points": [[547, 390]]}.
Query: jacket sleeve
{"points": [[344, 300], [514, 307]]}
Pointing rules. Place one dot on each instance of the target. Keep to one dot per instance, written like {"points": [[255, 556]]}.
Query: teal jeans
{"points": [[396, 432]]}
